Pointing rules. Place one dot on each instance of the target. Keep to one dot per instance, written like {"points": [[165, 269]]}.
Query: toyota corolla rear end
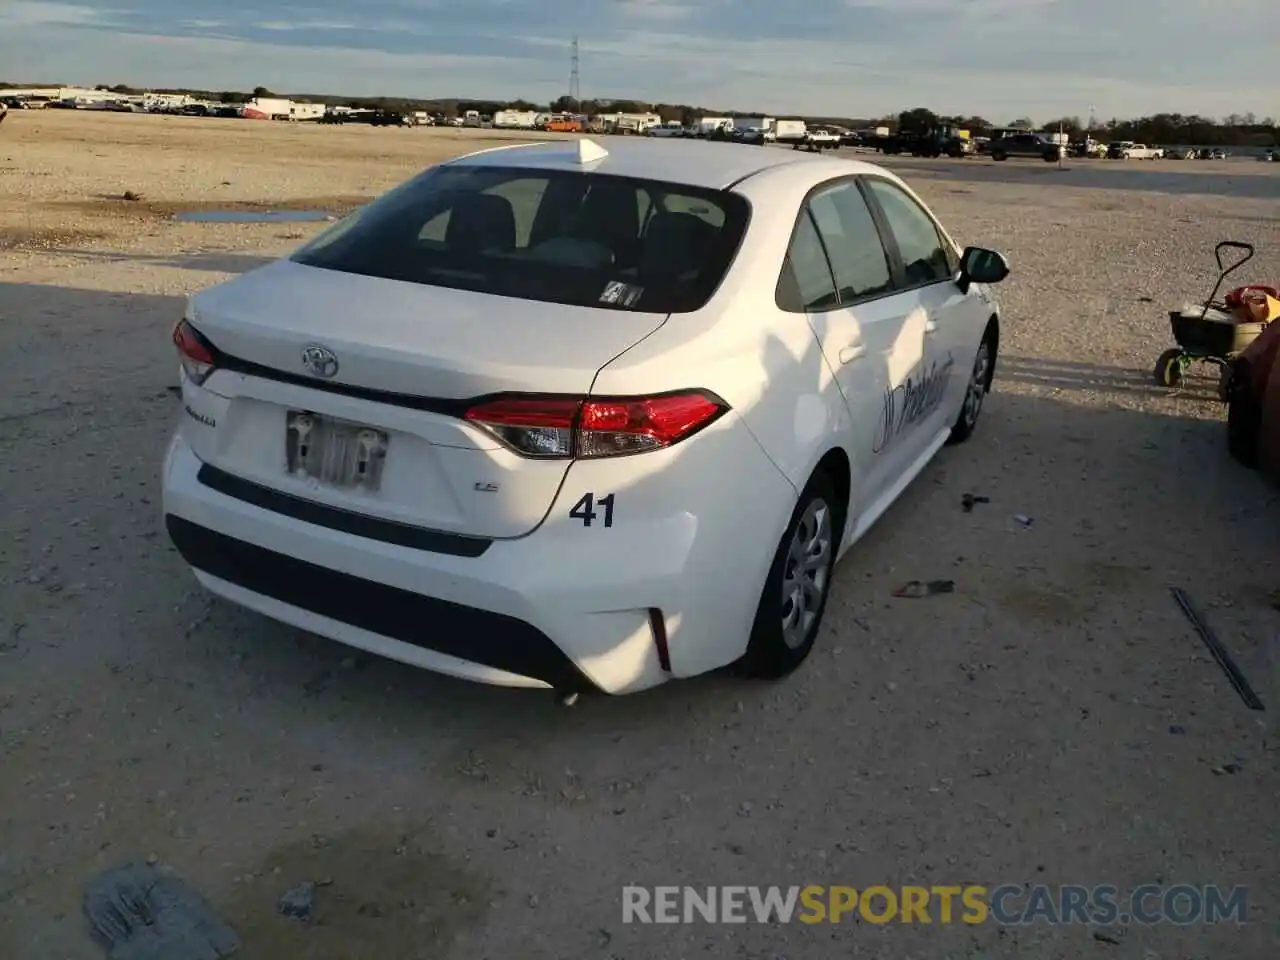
{"points": [[391, 438]]}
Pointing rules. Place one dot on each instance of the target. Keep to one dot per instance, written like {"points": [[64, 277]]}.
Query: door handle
{"points": [[931, 325], [855, 352]]}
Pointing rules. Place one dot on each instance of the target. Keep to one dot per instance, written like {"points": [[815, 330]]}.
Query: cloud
{"points": [[1000, 58], [29, 13]]}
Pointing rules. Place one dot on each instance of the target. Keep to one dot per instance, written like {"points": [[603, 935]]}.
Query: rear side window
{"points": [[853, 243], [806, 283], [564, 237], [924, 258]]}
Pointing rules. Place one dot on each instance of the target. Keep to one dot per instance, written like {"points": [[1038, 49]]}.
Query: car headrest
{"points": [[609, 213], [676, 243], [481, 221]]}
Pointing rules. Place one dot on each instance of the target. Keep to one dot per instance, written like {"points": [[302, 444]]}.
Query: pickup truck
{"points": [[818, 139], [1025, 145], [1124, 150]]}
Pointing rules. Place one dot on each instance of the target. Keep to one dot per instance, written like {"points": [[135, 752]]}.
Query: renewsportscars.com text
{"points": [[1007, 904]]}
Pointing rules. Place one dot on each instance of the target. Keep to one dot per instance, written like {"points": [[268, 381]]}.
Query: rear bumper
{"points": [[565, 607], [500, 643]]}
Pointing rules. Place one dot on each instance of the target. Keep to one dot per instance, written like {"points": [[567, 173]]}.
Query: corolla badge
{"points": [[319, 360]]}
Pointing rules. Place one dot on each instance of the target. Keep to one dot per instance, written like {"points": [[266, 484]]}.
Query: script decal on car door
{"points": [[911, 401]]}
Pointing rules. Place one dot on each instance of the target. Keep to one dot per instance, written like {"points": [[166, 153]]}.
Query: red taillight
{"points": [[195, 352], [560, 428]]}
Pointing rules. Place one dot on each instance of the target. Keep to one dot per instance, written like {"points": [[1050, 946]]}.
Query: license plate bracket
{"points": [[337, 453]]}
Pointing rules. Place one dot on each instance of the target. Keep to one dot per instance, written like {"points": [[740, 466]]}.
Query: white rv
{"points": [[306, 111], [516, 119]]}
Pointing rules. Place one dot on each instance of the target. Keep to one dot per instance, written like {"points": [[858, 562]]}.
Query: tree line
{"points": [[1234, 130]]}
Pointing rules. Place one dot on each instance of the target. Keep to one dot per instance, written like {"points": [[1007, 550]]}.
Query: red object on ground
{"points": [[1236, 296]]}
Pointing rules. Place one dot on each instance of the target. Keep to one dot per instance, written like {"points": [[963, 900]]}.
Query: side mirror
{"points": [[979, 265]]}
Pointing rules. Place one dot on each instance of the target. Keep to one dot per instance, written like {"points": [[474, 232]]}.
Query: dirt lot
{"points": [[1054, 720]]}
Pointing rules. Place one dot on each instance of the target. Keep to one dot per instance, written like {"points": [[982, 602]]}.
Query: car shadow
{"points": [[212, 262], [1245, 183]]}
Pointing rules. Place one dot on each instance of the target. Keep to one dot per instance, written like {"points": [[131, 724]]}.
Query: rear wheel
{"points": [[999, 156], [1168, 370], [799, 581]]}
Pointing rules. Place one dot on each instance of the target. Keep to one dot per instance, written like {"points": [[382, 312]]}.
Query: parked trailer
{"points": [[265, 108], [790, 131]]}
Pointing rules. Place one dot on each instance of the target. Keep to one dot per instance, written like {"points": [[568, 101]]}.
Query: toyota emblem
{"points": [[319, 361]]}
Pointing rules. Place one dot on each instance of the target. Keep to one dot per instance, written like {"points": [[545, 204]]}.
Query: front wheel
{"points": [[975, 394], [999, 156], [799, 581]]}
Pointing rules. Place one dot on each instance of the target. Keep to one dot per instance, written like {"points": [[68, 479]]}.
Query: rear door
{"points": [[871, 334], [953, 321]]}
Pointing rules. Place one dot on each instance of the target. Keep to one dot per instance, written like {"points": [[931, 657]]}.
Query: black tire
{"points": [[980, 376], [1244, 421], [1168, 369], [770, 654], [1050, 157], [1000, 157]]}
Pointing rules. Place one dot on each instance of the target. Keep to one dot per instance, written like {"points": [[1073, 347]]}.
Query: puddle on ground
{"points": [[254, 216]]}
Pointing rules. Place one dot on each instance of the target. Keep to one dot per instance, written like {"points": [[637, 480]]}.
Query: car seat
{"points": [[481, 222]]}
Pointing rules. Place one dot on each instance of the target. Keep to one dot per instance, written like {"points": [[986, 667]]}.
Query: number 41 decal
{"points": [[584, 509]]}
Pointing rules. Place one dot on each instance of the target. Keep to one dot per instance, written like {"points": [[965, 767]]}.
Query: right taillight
{"points": [[195, 352], [562, 428]]}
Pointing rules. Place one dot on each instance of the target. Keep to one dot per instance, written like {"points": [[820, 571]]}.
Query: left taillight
{"points": [[195, 352], [562, 428]]}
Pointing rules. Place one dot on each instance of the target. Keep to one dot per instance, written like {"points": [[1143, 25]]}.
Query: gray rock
{"points": [[298, 903]]}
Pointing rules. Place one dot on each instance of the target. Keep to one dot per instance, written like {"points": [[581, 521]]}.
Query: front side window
{"points": [[565, 237], [920, 244]]}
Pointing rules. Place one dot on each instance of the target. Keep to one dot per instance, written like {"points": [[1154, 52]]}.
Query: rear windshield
{"points": [[564, 237]]}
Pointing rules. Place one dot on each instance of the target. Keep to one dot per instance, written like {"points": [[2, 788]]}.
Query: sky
{"points": [[1001, 59]]}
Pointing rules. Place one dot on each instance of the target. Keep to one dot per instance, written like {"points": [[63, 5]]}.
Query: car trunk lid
{"points": [[408, 358]]}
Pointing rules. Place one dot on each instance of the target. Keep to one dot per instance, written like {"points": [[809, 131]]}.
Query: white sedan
{"points": [[583, 418]]}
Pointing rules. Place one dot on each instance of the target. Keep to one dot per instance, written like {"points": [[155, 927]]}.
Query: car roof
{"points": [[695, 163]]}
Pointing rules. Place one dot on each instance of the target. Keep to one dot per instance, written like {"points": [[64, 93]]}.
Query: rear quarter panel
{"points": [[766, 364]]}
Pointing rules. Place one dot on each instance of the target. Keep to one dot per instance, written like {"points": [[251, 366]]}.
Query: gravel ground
{"points": [[1054, 720]]}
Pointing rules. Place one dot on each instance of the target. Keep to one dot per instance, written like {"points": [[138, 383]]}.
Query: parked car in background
{"points": [[1217, 153], [672, 128], [568, 417], [1025, 145], [1270, 156], [1182, 153]]}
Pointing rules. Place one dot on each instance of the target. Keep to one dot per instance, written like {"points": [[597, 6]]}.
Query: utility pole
{"points": [[575, 91]]}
